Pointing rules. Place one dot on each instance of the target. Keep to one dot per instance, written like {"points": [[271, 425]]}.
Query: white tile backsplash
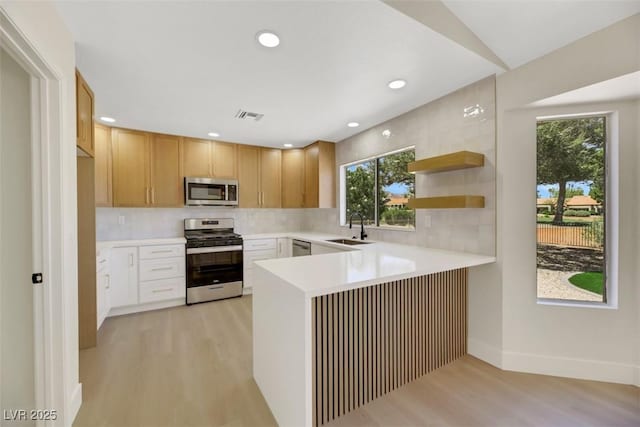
{"points": [[147, 223]]}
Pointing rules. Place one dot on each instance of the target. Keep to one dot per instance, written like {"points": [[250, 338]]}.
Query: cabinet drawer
{"points": [[164, 251], [165, 268], [251, 256], [259, 244], [160, 290]]}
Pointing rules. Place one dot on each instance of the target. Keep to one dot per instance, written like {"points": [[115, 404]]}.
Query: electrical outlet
{"points": [[121, 220]]}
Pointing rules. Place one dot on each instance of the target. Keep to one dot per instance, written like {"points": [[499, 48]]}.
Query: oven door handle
{"points": [[214, 249], [216, 268]]}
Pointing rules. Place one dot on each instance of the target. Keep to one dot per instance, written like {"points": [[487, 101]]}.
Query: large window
{"points": [[571, 209], [378, 189]]}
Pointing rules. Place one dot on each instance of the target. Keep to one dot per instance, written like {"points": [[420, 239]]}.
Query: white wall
{"points": [[438, 127], [40, 23], [17, 388], [146, 223], [590, 343]]}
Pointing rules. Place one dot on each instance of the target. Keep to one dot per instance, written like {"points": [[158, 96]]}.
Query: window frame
{"points": [[611, 220], [343, 221]]}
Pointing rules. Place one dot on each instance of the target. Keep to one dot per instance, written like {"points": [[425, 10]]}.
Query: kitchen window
{"points": [[379, 188], [573, 206]]}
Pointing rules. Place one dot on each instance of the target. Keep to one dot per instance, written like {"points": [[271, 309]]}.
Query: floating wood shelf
{"points": [[447, 202], [447, 162]]}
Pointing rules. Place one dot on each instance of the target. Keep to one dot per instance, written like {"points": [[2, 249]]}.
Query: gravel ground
{"points": [[555, 284]]}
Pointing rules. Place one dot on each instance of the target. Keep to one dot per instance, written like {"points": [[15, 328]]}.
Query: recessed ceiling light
{"points": [[386, 133], [268, 38], [107, 119], [214, 134], [353, 124], [288, 145], [397, 84]]}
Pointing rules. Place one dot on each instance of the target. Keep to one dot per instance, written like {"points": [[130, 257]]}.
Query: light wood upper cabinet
{"points": [[320, 175], [224, 159], [293, 178], [271, 177], [84, 115], [212, 159], [311, 153], [103, 190], [249, 176], [196, 158], [165, 171], [130, 168]]}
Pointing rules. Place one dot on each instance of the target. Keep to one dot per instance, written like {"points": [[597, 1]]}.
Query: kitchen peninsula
{"points": [[332, 332]]}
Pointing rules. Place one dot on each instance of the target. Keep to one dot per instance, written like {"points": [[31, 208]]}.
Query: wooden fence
{"points": [[581, 235]]}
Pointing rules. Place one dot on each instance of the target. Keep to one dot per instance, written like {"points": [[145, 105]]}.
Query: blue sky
{"points": [[543, 190], [397, 188]]}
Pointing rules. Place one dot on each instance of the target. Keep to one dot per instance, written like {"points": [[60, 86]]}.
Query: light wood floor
{"points": [[191, 366], [183, 366]]}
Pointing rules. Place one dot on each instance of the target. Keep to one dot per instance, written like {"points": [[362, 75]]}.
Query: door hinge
{"points": [[36, 278]]}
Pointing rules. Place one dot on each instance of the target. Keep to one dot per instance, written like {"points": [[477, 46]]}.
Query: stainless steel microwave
{"points": [[210, 192]]}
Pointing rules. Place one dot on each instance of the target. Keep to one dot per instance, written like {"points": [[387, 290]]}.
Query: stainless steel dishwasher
{"points": [[301, 248]]}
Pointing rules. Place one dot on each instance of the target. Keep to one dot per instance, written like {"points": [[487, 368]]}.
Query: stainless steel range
{"points": [[214, 260]]}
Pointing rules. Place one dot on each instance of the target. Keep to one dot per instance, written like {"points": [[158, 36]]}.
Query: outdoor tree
{"points": [[392, 169], [568, 150], [360, 180], [572, 190]]}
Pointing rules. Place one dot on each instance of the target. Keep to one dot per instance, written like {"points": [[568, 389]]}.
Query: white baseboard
{"points": [[119, 311], [585, 369], [75, 403], [485, 352]]}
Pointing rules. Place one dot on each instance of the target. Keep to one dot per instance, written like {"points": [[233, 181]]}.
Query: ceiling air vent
{"points": [[248, 115]]}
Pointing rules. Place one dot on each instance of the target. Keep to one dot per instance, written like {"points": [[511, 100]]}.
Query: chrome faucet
{"points": [[362, 233]]}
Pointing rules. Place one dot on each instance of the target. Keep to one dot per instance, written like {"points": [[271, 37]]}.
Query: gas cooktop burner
{"points": [[205, 232]]}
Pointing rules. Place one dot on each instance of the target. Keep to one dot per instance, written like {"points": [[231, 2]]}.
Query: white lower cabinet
{"points": [[161, 290], [256, 250], [141, 278], [124, 276], [103, 285], [284, 247]]}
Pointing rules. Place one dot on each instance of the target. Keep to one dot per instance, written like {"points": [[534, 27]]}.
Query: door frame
{"points": [[47, 142]]}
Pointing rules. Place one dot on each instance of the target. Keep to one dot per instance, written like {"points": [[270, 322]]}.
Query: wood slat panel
{"points": [[370, 341]]}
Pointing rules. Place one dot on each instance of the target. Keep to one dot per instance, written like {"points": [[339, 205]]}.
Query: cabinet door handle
{"points": [[162, 269], [153, 196], [108, 276], [156, 291], [130, 260], [164, 251], [146, 195]]}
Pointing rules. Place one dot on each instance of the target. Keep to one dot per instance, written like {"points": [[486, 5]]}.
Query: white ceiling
{"points": [[519, 31], [618, 89], [186, 67]]}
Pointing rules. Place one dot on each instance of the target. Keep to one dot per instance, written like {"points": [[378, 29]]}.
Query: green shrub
{"points": [[572, 212]]}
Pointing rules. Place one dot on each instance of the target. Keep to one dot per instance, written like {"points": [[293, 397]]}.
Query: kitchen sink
{"points": [[349, 242]]}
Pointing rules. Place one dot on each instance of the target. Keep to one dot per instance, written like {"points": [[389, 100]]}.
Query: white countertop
{"points": [[363, 265], [105, 244]]}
